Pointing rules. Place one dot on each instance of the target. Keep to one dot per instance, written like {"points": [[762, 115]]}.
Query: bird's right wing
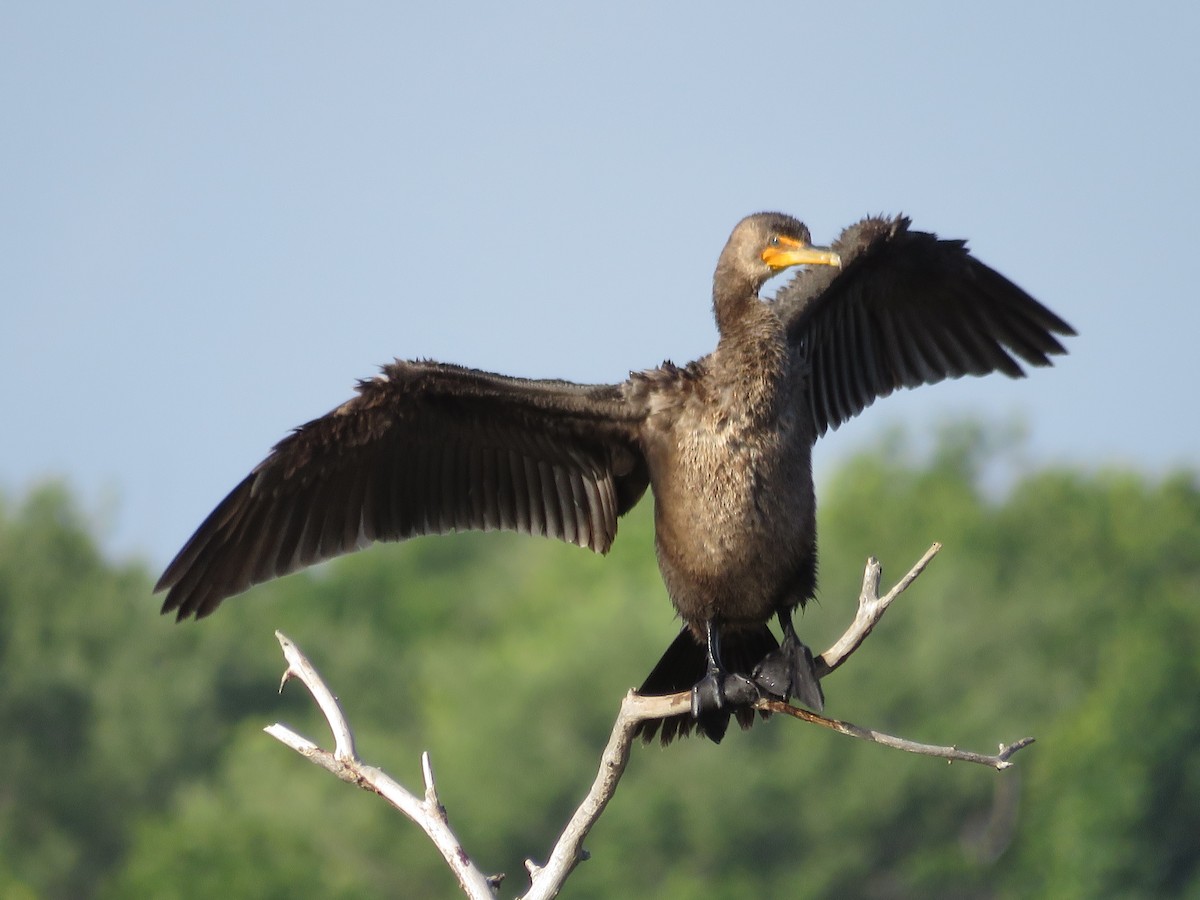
{"points": [[423, 448], [906, 309]]}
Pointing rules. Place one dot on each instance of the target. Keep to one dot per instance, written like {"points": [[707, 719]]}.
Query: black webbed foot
{"points": [[719, 691], [718, 695], [789, 671]]}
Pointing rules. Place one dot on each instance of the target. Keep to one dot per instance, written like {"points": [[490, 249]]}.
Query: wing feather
{"points": [[425, 448], [906, 309]]}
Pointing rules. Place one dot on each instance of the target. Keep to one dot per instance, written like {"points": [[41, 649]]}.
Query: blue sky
{"points": [[215, 217]]}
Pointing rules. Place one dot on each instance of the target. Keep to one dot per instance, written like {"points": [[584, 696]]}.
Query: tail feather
{"points": [[685, 663]]}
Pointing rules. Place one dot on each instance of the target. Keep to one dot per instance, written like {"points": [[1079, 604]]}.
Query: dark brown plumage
{"points": [[724, 443]]}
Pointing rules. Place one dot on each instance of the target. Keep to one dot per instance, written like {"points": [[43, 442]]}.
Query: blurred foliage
{"points": [[1066, 606]]}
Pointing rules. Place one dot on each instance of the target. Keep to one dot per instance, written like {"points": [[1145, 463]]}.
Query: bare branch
{"points": [[568, 852], [547, 880], [953, 754], [427, 813], [871, 608], [299, 667]]}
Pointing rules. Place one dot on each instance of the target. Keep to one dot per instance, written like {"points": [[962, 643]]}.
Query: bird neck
{"points": [[735, 300], [751, 353]]}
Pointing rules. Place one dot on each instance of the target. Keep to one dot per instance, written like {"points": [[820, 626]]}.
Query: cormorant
{"points": [[724, 443]]}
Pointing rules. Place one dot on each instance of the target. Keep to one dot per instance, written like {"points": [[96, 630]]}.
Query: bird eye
{"points": [[774, 240]]}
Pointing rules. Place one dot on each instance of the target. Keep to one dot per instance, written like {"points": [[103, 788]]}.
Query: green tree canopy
{"points": [[1063, 606]]}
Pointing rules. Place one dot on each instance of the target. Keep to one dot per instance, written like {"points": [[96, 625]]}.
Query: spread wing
{"points": [[906, 309], [423, 448]]}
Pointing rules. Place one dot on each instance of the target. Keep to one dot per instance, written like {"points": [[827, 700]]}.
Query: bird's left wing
{"points": [[905, 309]]}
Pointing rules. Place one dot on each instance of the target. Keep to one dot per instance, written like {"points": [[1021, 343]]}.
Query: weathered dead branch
{"points": [[546, 880]]}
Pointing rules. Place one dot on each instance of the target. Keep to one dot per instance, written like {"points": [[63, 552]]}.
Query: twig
{"points": [[871, 608], [428, 813], [999, 762], [299, 667]]}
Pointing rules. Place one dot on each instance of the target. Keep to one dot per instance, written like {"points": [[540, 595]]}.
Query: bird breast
{"points": [[734, 508]]}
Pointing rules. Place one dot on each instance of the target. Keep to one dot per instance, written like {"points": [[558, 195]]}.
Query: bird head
{"points": [[765, 244]]}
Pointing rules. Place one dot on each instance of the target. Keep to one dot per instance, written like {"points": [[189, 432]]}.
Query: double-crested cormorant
{"points": [[724, 443]]}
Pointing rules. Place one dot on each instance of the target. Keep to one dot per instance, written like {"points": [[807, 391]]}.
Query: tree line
{"points": [[1064, 605]]}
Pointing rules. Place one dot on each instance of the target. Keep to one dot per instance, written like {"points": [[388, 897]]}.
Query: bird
{"points": [[724, 443]]}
